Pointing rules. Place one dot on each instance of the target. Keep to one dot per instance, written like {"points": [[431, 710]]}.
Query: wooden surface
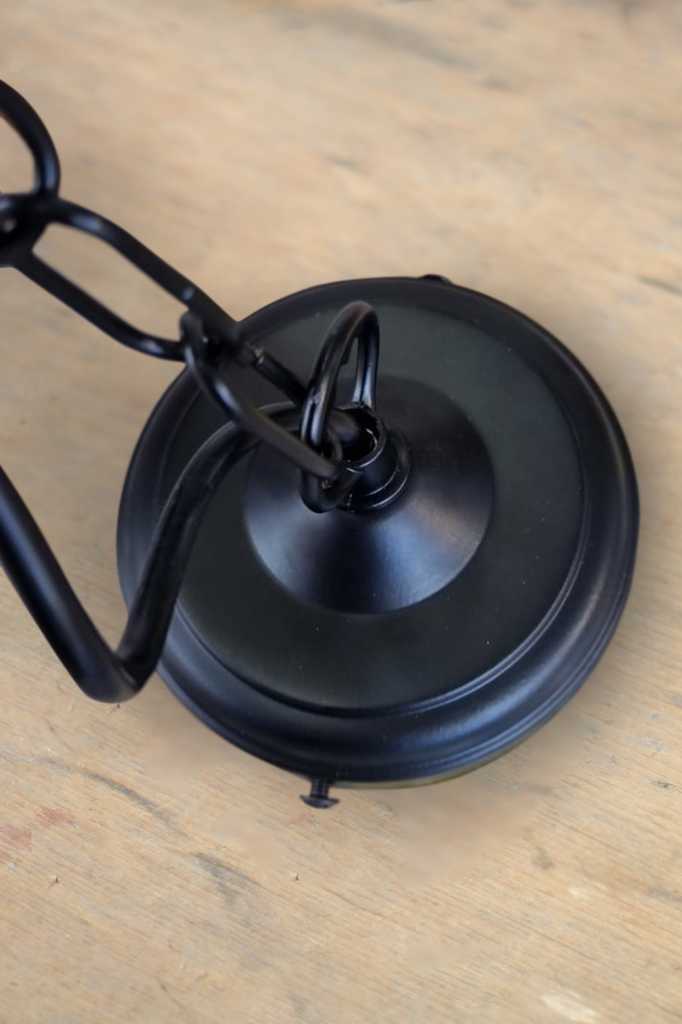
{"points": [[149, 872]]}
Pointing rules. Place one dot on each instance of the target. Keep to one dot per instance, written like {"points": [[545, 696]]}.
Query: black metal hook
{"points": [[356, 324]]}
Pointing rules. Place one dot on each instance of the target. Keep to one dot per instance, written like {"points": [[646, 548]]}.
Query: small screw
{"points": [[319, 795], [8, 224]]}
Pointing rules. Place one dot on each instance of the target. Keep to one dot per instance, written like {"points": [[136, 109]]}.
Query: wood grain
{"points": [[531, 150]]}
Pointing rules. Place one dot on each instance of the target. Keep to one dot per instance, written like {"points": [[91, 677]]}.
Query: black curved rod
{"points": [[40, 213], [25, 216], [25, 121], [102, 673], [357, 323]]}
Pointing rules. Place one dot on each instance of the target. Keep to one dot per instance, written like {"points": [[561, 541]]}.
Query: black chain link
{"points": [[208, 340]]}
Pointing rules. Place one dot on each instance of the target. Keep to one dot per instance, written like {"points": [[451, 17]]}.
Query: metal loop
{"points": [[19, 231], [25, 216], [356, 323], [35, 135], [60, 211]]}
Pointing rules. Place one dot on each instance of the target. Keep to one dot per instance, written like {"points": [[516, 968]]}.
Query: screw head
{"points": [[319, 795]]}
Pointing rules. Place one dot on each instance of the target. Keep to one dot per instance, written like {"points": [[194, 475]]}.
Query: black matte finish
{"points": [[402, 574], [513, 430]]}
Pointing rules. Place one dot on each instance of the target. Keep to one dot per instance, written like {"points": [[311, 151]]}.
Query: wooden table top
{"points": [[149, 872]]}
